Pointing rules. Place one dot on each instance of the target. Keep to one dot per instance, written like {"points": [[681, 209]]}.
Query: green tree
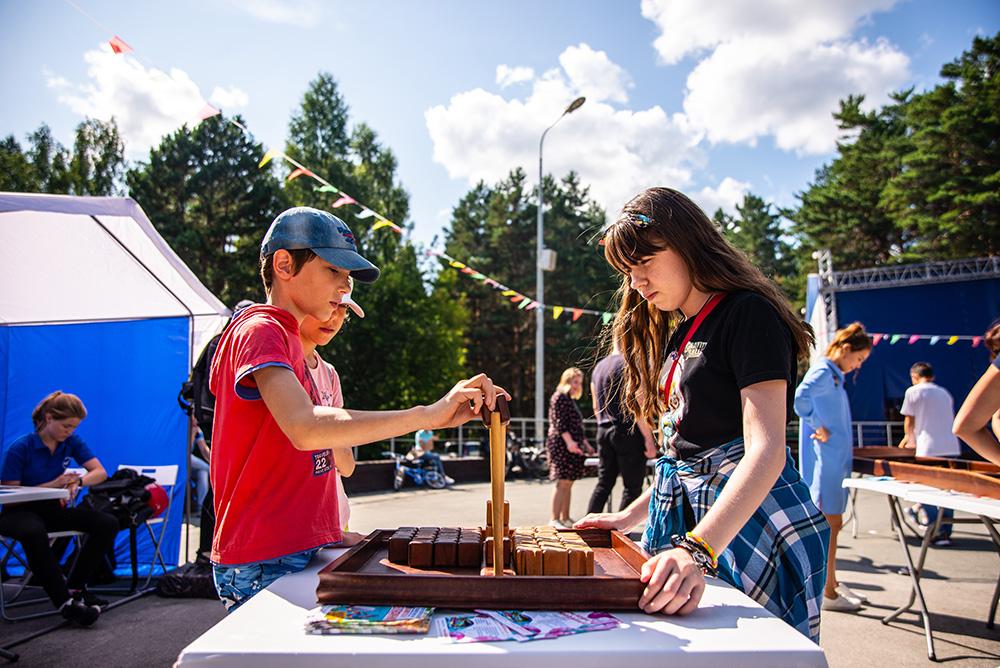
{"points": [[947, 191], [203, 191], [756, 230], [493, 230], [97, 166], [412, 331], [16, 171]]}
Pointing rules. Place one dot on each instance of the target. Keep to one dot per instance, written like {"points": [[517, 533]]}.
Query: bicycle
{"points": [[418, 472], [527, 456]]}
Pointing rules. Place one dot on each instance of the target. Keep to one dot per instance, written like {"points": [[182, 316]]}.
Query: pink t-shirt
{"points": [[327, 384]]}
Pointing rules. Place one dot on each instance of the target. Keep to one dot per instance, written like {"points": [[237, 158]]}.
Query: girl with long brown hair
{"points": [[710, 348]]}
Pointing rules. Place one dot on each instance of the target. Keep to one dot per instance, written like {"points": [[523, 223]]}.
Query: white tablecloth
{"points": [[728, 629]]}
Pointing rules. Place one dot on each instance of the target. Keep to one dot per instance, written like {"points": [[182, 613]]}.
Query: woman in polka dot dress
{"points": [[566, 443]]}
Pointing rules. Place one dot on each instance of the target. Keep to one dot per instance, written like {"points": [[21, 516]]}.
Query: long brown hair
{"points": [[655, 220], [60, 406]]}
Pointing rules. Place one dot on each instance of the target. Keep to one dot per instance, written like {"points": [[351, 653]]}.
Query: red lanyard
{"points": [[698, 319]]}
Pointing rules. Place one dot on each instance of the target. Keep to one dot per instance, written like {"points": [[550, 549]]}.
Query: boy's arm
{"points": [[343, 459], [311, 427]]}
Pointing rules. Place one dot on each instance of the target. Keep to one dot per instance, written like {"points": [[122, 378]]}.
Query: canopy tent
{"points": [[94, 302], [960, 297]]}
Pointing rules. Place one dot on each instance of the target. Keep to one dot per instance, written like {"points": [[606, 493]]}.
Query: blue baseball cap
{"points": [[321, 232]]}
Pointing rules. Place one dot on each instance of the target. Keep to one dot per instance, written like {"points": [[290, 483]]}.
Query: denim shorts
{"points": [[236, 584]]}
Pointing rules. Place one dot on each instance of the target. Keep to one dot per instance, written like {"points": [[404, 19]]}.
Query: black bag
{"points": [[189, 581], [123, 495], [195, 393]]}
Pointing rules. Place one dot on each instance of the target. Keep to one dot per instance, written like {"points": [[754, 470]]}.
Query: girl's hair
{"points": [[655, 220], [992, 339], [60, 406], [565, 381], [853, 336]]}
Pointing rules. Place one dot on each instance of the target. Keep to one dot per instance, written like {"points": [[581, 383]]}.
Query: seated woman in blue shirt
{"points": [[40, 459]]}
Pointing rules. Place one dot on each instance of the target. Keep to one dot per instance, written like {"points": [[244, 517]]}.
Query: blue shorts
{"points": [[236, 584]]}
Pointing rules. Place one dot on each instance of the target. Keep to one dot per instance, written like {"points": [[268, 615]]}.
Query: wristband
{"points": [[701, 559], [705, 546]]}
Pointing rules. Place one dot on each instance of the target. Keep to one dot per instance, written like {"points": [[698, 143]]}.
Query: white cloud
{"points": [[725, 196], [147, 103], [692, 26], [483, 135], [299, 13], [228, 99], [508, 76], [775, 67], [749, 88], [593, 74]]}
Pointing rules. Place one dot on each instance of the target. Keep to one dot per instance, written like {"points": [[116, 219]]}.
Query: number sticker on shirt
{"points": [[322, 462]]}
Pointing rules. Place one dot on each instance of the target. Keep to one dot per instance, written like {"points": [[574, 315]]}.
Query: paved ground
{"points": [[959, 583]]}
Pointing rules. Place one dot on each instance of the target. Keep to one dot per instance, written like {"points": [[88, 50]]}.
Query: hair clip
{"points": [[638, 219]]}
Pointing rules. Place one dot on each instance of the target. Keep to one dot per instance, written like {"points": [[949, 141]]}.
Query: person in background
{"points": [[423, 454], [40, 459], [623, 445], [826, 444], [981, 409], [566, 443], [928, 413]]}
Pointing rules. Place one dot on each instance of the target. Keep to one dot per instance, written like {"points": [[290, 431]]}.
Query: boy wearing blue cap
{"points": [[272, 454]]}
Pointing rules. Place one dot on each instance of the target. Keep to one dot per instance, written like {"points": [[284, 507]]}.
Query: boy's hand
{"points": [[464, 401]]}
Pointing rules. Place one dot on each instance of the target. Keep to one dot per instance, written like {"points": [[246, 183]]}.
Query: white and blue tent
{"points": [[94, 302]]}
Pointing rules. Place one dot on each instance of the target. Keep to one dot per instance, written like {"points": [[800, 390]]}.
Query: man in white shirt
{"points": [[928, 413]]}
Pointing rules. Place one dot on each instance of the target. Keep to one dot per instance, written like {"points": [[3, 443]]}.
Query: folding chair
{"points": [[166, 477], [7, 546]]}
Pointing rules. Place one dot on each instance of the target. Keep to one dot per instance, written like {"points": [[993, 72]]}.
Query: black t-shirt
{"points": [[742, 342], [608, 377]]}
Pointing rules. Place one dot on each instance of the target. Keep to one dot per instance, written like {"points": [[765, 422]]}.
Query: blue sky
{"points": [[715, 98]]}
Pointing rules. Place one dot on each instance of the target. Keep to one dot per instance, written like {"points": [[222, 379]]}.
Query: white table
{"points": [[19, 494], [728, 628], [987, 511]]}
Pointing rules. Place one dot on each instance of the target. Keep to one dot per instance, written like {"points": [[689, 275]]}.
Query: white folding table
{"points": [[728, 629], [18, 494], [986, 510]]}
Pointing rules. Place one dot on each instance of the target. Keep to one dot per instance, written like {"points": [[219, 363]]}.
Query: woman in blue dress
{"points": [[825, 445]]}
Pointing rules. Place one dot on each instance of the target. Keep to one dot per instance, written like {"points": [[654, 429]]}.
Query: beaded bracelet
{"points": [[701, 558], [704, 544]]}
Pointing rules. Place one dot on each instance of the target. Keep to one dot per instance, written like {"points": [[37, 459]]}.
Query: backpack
{"points": [[195, 391]]}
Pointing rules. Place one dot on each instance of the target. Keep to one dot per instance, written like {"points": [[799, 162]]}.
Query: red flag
{"points": [[344, 199], [300, 171], [914, 339], [875, 339], [976, 340], [118, 45], [576, 314], [207, 112]]}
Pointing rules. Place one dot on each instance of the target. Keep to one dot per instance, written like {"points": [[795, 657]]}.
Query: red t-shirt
{"points": [[270, 499]]}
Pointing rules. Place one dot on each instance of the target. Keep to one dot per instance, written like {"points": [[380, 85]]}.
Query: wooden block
{"points": [[470, 553], [421, 553], [488, 551], [555, 560], [529, 560], [445, 552], [580, 560], [489, 513], [399, 548]]}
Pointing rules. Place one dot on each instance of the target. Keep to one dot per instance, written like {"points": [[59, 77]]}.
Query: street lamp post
{"points": [[540, 286]]}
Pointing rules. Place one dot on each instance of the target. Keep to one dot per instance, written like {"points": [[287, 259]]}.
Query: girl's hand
{"points": [[674, 583], [822, 435], [619, 520], [574, 448]]}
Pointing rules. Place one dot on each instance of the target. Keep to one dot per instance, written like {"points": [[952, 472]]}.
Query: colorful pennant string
{"points": [[932, 339]]}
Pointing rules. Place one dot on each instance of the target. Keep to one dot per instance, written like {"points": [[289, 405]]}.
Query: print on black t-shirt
{"points": [[742, 342]]}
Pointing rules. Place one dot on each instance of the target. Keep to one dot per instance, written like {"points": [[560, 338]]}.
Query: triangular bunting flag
{"points": [[523, 305], [380, 224], [267, 158], [118, 45], [576, 314], [935, 339], [976, 340], [365, 213], [895, 337], [952, 340], [457, 264], [344, 199], [532, 306], [556, 312], [467, 270], [516, 298], [490, 282], [875, 339], [478, 276], [327, 189], [914, 339], [207, 112], [606, 317], [508, 293], [297, 172]]}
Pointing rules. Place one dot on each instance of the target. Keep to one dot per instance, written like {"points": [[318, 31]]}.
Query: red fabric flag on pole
{"points": [[207, 112], [576, 314], [296, 173], [118, 45], [344, 199]]}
